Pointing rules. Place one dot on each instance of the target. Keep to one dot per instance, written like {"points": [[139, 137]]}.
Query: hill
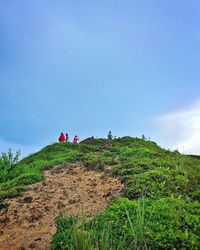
{"points": [[159, 204]]}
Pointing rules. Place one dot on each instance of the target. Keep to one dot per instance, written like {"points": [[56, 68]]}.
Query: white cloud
{"points": [[181, 130]]}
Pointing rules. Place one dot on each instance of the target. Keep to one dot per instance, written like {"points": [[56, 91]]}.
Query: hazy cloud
{"points": [[181, 129]]}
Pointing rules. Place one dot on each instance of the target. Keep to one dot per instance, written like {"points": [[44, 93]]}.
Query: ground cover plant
{"points": [[159, 207]]}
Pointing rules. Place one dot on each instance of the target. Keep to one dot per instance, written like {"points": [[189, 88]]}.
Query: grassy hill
{"points": [[159, 207]]}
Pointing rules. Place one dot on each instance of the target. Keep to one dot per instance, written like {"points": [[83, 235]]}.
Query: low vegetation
{"points": [[159, 207]]}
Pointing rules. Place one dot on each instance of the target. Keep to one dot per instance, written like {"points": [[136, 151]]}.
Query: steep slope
{"points": [[27, 222]]}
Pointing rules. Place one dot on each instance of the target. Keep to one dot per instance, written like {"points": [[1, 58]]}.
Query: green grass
{"points": [[29, 170], [162, 224], [99, 233], [159, 207]]}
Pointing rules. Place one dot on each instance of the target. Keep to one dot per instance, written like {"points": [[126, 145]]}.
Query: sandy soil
{"points": [[27, 222]]}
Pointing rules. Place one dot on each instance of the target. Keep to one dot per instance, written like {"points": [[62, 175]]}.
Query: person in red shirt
{"points": [[61, 137]]}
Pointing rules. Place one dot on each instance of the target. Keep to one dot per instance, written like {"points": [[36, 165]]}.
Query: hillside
{"points": [[28, 220], [159, 204]]}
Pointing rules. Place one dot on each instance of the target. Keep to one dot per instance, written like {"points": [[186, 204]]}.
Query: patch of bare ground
{"points": [[27, 222]]}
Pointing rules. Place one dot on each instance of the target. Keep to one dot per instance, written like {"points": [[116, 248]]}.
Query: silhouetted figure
{"points": [[76, 139], [61, 137], [110, 135], [66, 137]]}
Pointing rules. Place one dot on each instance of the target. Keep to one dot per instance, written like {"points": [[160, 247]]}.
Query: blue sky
{"points": [[86, 67]]}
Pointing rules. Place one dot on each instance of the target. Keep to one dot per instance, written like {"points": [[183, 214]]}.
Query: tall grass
{"points": [[100, 235], [138, 228], [81, 238]]}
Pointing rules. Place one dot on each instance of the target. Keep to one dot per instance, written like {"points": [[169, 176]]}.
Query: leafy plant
{"points": [[7, 163]]}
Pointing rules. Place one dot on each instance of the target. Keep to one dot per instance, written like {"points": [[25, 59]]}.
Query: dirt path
{"points": [[27, 222]]}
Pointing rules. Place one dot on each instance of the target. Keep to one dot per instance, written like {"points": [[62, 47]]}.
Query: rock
{"points": [[71, 188], [4, 220], [15, 217], [46, 209], [15, 212], [1, 232], [93, 182], [37, 214], [101, 167], [51, 191], [3, 206], [58, 171], [37, 239], [107, 194], [31, 226], [65, 193], [32, 245], [12, 235], [71, 201], [103, 180], [28, 199], [22, 248], [2, 212], [60, 205], [74, 200], [36, 189]]}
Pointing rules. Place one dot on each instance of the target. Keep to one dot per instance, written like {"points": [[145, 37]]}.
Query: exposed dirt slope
{"points": [[27, 222]]}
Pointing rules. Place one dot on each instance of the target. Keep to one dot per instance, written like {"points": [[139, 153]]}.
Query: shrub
{"points": [[7, 163], [163, 224]]}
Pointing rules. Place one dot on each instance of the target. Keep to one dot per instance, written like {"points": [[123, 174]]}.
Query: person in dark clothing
{"points": [[66, 137], [110, 135]]}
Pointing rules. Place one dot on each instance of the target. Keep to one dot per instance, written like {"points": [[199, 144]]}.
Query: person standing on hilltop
{"points": [[110, 135], [61, 137], [66, 137], [76, 139]]}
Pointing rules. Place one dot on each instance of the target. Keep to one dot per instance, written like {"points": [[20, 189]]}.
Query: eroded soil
{"points": [[27, 222]]}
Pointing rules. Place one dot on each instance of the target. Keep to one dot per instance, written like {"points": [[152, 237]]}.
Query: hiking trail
{"points": [[28, 221]]}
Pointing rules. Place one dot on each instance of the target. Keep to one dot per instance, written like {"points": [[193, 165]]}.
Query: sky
{"points": [[87, 67]]}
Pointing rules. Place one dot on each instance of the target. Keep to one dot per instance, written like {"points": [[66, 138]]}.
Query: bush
{"points": [[163, 224], [7, 164]]}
